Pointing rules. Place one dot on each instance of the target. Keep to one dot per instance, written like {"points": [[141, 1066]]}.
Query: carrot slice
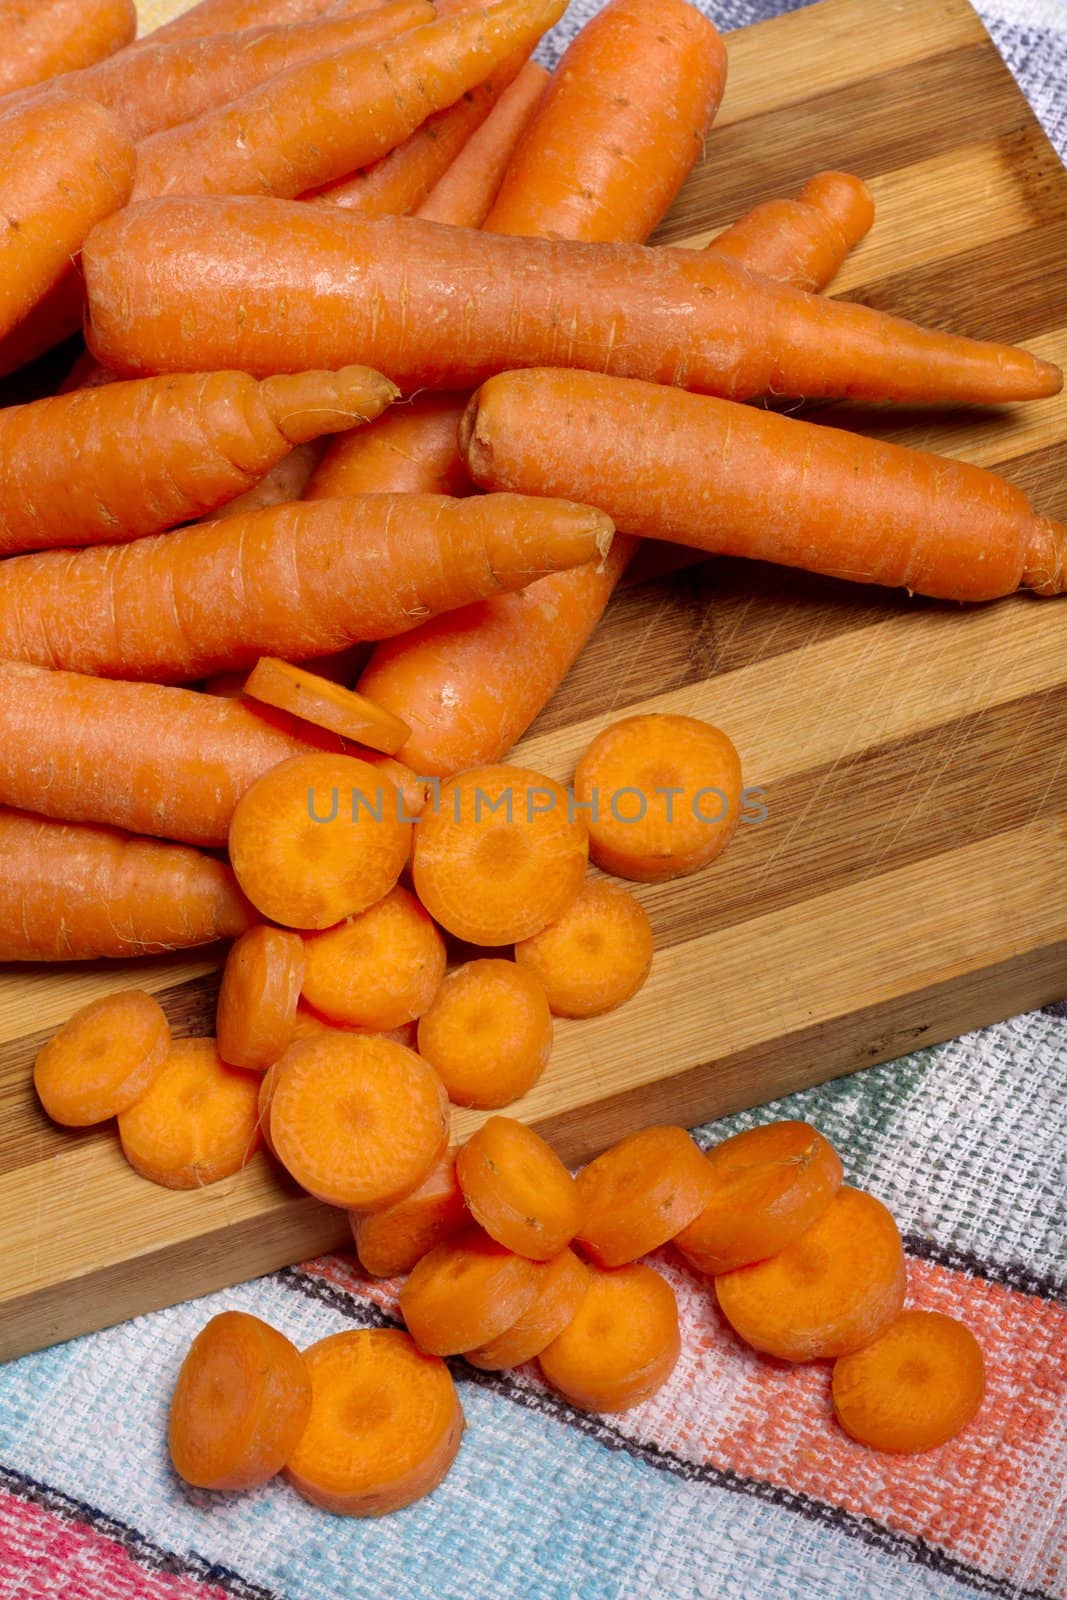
{"points": [[769, 1185], [103, 1060], [639, 1194], [488, 1033], [390, 1242], [518, 1189], [385, 1424], [500, 856], [318, 838], [304, 694], [242, 1400], [832, 1291], [267, 1086], [310, 1025], [565, 1282], [916, 1386], [596, 956], [622, 1344], [258, 999], [356, 1119], [380, 969], [197, 1122], [466, 1292]]}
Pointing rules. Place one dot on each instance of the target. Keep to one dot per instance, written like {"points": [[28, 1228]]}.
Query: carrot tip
{"points": [[1046, 559]]}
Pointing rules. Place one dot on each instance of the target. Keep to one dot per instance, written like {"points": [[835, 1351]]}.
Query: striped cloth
{"points": [[732, 1483]]}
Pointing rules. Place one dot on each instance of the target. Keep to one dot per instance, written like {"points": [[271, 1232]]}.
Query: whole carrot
{"points": [[232, 16], [43, 38], [464, 193], [159, 451], [72, 892], [292, 581], [56, 317], [804, 241], [745, 482], [417, 453]]}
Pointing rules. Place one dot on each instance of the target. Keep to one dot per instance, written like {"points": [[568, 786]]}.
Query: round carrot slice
{"points": [[357, 1120], [242, 1400], [622, 1344], [488, 1033], [258, 999], [768, 1185], [197, 1122], [103, 1060], [565, 1282], [518, 1189], [390, 1242], [310, 1025], [500, 855], [318, 838], [467, 1292], [830, 1292], [325, 703], [916, 1386], [380, 969], [266, 1095], [639, 1194], [665, 793], [596, 956], [385, 1424]]}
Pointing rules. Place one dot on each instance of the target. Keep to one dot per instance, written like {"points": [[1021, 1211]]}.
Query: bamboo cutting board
{"points": [[910, 881]]}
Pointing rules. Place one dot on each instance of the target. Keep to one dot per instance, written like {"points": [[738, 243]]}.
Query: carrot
{"points": [[768, 1186], [465, 191], [257, 1002], [43, 38], [310, 1024], [466, 1292], [233, 16], [804, 241], [240, 1405], [596, 956], [622, 1344], [324, 704], [412, 449], [196, 1123], [518, 1190], [663, 795], [500, 855], [915, 1387], [747, 482], [189, 444], [488, 1033], [385, 1427], [318, 838], [358, 1121], [103, 1060], [380, 969], [188, 603], [325, 118], [73, 892], [832, 1291], [55, 318], [563, 1290], [67, 165], [640, 1193], [390, 1242], [278, 487]]}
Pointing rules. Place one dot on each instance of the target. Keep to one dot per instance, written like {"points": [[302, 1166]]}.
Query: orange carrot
{"points": [[390, 1242], [412, 449], [466, 1292], [103, 1060], [563, 1289], [747, 482], [196, 1123], [832, 1291], [325, 118], [357, 1120], [67, 164], [280, 486], [310, 1024], [257, 1002], [639, 1194], [73, 892], [803, 241], [622, 1344], [596, 956], [56, 317], [43, 38], [379, 969], [189, 444], [385, 1427], [488, 1033], [240, 1405], [518, 1190], [916, 1386], [233, 16], [316, 700], [464, 193]]}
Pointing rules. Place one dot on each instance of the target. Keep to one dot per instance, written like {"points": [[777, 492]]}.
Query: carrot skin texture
{"points": [[412, 449], [233, 16], [43, 38], [72, 892], [803, 242], [464, 194], [740, 481]]}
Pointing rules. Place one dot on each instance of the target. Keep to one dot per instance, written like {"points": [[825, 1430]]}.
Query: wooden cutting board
{"points": [[910, 881]]}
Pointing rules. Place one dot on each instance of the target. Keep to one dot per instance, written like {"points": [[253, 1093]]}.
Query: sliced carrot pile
{"points": [[596, 956], [639, 1194], [197, 1122], [916, 1386], [466, 1292], [241, 1403], [832, 1291], [328, 705], [488, 1033], [385, 1424], [622, 1344], [392, 1241], [563, 1290], [518, 1189], [103, 1060], [380, 969], [258, 999]]}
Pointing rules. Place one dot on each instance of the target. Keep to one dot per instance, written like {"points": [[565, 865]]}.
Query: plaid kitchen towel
{"points": [[732, 1483]]}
